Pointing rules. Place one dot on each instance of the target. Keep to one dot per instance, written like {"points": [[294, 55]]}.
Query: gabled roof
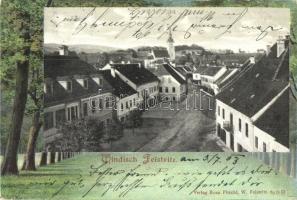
{"points": [[256, 86], [138, 75], [200, 69], [174, 73], [120, 88], [59, 66], [211, 71], [275, 120], [70, 67], [161, 53], [166, 69]]}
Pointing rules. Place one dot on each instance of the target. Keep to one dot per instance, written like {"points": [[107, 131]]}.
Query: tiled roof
{"points": [[59, 66], [275, 120], [211, 71], [120, 88], [166, 69], [256, 87], [161, 53], [69, 67], [174, 73], [135, 73]]}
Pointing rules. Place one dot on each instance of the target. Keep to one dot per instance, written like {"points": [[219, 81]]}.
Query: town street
{"points": [[189, 130], [175, 130]]}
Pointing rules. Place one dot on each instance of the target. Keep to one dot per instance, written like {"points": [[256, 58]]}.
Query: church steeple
{"points": [[170, 39], [171, 49]]}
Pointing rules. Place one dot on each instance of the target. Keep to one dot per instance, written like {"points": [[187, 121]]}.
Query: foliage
{"points": [[134, 119], [12, 45], [78, 135]]}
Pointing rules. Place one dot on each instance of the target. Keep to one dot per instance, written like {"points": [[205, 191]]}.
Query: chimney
{"points": [[252, 60], [268, 47], [63, 50], [280, 47], [112, 71]]}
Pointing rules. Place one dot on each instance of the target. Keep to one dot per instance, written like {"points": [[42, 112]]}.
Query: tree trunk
{"points": [[52, 157], [33, 134], [43, 160], [9, 165]]}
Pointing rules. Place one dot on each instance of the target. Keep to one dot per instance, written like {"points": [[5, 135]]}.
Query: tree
{"points": [[17, 27], [79, 135]]}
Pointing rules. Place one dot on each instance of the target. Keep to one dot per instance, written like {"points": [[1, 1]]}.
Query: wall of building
{"points": [[132, 99], [167, 81], [239, 136], [271, 144], [248, 143]]}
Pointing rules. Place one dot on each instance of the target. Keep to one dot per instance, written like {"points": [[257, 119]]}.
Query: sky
{"points": [[247, 29]]}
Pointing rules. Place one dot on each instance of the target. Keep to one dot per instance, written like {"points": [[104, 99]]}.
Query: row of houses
{"points": [[252, 111], [75, 89]]}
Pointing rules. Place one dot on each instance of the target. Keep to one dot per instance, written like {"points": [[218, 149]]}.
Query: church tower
{"points": [[171, 48]]}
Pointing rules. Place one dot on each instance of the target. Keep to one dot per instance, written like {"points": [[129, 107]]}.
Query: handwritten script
{"points": [[121, 176], [140, 23]]}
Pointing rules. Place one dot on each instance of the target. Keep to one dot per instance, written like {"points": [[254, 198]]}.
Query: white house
{"points": [[172, 83], [126, 98], [208, 76], [139, 78], [252, 112], [72, 90]]}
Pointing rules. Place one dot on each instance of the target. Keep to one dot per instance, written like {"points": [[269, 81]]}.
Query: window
{"points": [[69, 86], [223, 113], [160, 89], [72, 113], [134, 102], [173, 98], [246, 130], [122, 106], [264, 147], [108, 102], [219, 110], [85, 109], [256, 142], [93, 106], [231, 119], [85, 84], [48, 120], [60, 116], [100, 81], [173, 89], [239, 124], [100, 103], [166, 89], [130, 103], [127, 105]]}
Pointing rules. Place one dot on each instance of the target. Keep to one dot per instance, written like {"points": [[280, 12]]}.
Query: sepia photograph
{"points": [[155, 80]]}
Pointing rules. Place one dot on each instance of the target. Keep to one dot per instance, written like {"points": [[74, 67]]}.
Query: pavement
{"points": [[188, 129]]}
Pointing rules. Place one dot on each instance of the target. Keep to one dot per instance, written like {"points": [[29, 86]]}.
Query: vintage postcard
{"points": [[141, 103]]}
